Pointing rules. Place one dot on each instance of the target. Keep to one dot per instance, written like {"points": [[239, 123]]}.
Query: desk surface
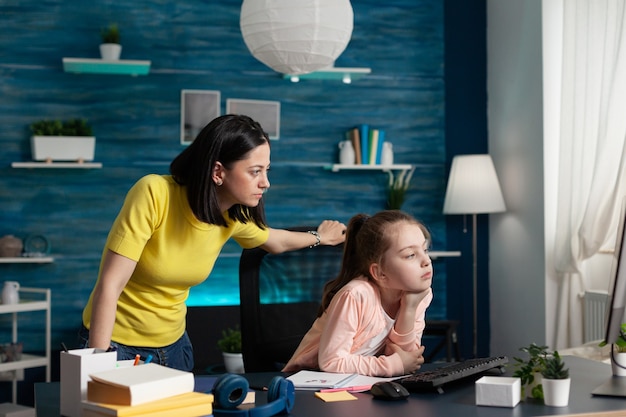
{"points": [[458, 400]]}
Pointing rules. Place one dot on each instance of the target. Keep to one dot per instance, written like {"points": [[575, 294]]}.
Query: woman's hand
{"points": [[332, 232], [412, 361]]}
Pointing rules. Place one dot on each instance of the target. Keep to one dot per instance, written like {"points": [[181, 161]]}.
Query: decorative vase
{"points": [[387, 156], [556, 392], [11, 246], [618, 363], [233, 362], [346, 153], [10, 292], [110, 51]]}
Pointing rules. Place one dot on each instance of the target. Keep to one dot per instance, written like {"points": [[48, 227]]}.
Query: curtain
{"points": [[591, 181]]}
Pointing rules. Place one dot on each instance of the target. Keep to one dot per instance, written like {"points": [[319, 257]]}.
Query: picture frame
{"points": [[197, 109], [266, 112]]}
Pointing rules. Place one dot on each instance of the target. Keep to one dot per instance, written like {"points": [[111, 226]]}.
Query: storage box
{"points": [[498, 391], [16, 410], [76, 366]]}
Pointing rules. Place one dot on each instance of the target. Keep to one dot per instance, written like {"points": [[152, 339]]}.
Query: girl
{"points": [[169, 233], [372, 315]]}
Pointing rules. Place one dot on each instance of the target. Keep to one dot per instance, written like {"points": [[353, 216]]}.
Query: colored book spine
{"points": [[364, 130], [356, 143], [373, 146], [379, 149]]}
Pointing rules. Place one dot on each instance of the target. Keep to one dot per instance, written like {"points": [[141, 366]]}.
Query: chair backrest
{"points": [[279, 298]]}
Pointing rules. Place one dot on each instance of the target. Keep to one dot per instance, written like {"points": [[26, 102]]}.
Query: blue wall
{"points": [[198, 45]]}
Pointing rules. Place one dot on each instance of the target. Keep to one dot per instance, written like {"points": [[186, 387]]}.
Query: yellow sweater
{"points": [[173, 250]]}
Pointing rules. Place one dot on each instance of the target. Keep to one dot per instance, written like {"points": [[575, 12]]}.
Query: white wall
{"points": [[515, 123]]}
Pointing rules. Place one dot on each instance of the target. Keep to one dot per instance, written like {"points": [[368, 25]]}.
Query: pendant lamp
{"points": [[296, 36]]}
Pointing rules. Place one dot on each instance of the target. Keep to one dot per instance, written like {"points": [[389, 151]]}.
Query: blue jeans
{"points": [[178, 355]]}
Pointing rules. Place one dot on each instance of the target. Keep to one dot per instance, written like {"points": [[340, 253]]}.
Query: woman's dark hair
{"points": [[226, 139], [367, 239]]}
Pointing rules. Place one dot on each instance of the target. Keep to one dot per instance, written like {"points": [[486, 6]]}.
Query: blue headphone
{"points": [[230, 390]]}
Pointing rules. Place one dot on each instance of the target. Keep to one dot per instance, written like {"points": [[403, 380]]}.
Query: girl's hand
{"points": [[410, 300], [412, 361]]}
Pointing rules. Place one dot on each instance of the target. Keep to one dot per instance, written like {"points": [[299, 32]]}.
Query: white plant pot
{"points": [[110, 51], [63, 148], [233, 362], [619, 368], [556, 392]]}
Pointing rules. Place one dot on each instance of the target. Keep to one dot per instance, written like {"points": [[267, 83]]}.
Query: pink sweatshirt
{"points": [[354, 318]]}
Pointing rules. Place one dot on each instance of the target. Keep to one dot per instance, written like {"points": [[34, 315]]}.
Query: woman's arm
{"points": [[331, 232], [116, 271]]}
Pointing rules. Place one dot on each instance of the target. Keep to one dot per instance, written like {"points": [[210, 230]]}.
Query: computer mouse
{"points": [[389, 390]]}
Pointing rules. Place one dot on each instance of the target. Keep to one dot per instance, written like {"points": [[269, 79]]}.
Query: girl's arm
{"points": [[410, 320], [348, 316], [331, 232], [116, 271]]}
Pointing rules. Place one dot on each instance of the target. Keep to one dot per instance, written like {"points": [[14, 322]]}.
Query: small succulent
{"points": [[555, 367], [230, 341], [110, 34]]}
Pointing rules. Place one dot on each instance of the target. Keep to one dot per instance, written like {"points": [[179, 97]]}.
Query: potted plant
{"points": [[57, 140], [397, 187], [555, 381], [110, 48], [230, 346], [618, 353], [529, 370]]}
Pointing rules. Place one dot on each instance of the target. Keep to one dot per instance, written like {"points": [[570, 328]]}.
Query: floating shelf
{"points": [[339, 167], [347, 75], [83, 165], [27, 260], [100, 66]]}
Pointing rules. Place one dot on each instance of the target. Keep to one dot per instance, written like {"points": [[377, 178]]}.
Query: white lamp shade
{"points": [[296, 36], [473, 186]]}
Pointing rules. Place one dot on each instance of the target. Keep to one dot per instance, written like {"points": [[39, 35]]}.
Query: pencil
{"points": [[137, 357]]}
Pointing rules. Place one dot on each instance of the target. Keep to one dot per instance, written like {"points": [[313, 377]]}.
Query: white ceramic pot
{"points": [[63, 148], [110, 51], [618, 363], [346, 153], [233, 362], [11, 292], [556, 392]]}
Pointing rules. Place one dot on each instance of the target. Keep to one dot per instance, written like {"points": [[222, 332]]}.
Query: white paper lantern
{"points": [[296, 36]]}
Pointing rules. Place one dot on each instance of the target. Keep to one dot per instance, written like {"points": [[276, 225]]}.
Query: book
{"points": [[315, 380], [364, 134], [356, 144], [188, 405], [373, 144], [140, 384], [379, 150]]}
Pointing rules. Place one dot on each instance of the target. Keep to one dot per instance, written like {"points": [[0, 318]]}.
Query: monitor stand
{"points": [[614, 387]]}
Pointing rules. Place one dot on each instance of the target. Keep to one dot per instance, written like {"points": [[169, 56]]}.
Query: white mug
{"points": [[10, 292]]}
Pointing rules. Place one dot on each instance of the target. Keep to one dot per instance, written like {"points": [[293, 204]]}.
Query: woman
{"points": [[169, 234]]}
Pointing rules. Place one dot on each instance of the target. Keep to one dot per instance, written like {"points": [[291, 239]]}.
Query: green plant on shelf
{"points": [[72, 127], [397, 188], [110, 34]]}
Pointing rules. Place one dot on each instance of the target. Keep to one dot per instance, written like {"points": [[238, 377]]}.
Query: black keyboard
{"points": [[433, 379]]}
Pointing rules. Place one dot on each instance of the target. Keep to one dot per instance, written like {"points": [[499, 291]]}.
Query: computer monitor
{"points": [[616, 386]]}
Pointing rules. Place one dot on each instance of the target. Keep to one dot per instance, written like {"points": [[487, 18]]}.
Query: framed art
{"points": [[197, 109], [267, 113]]}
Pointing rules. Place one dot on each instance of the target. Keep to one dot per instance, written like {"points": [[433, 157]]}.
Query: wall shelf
{"points": [[83, 165], [339, 167], [99, 66], [27, 260], [347, 75]]}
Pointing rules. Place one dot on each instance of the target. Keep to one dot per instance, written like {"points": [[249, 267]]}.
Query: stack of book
{"points": [[367, 143], [145, 390]]}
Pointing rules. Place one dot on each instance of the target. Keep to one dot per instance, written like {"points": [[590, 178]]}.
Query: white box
{"points": [[498, 391], [76, 366], [16, 410], [63, 148]]}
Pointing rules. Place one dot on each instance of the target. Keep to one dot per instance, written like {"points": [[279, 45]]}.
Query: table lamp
{"points": [[473, 188]]}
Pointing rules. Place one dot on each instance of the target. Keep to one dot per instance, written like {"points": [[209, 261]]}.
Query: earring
{"points": [[219, 183]]}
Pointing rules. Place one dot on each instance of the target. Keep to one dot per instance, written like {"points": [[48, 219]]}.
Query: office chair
{"points": [[279, 298]]}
